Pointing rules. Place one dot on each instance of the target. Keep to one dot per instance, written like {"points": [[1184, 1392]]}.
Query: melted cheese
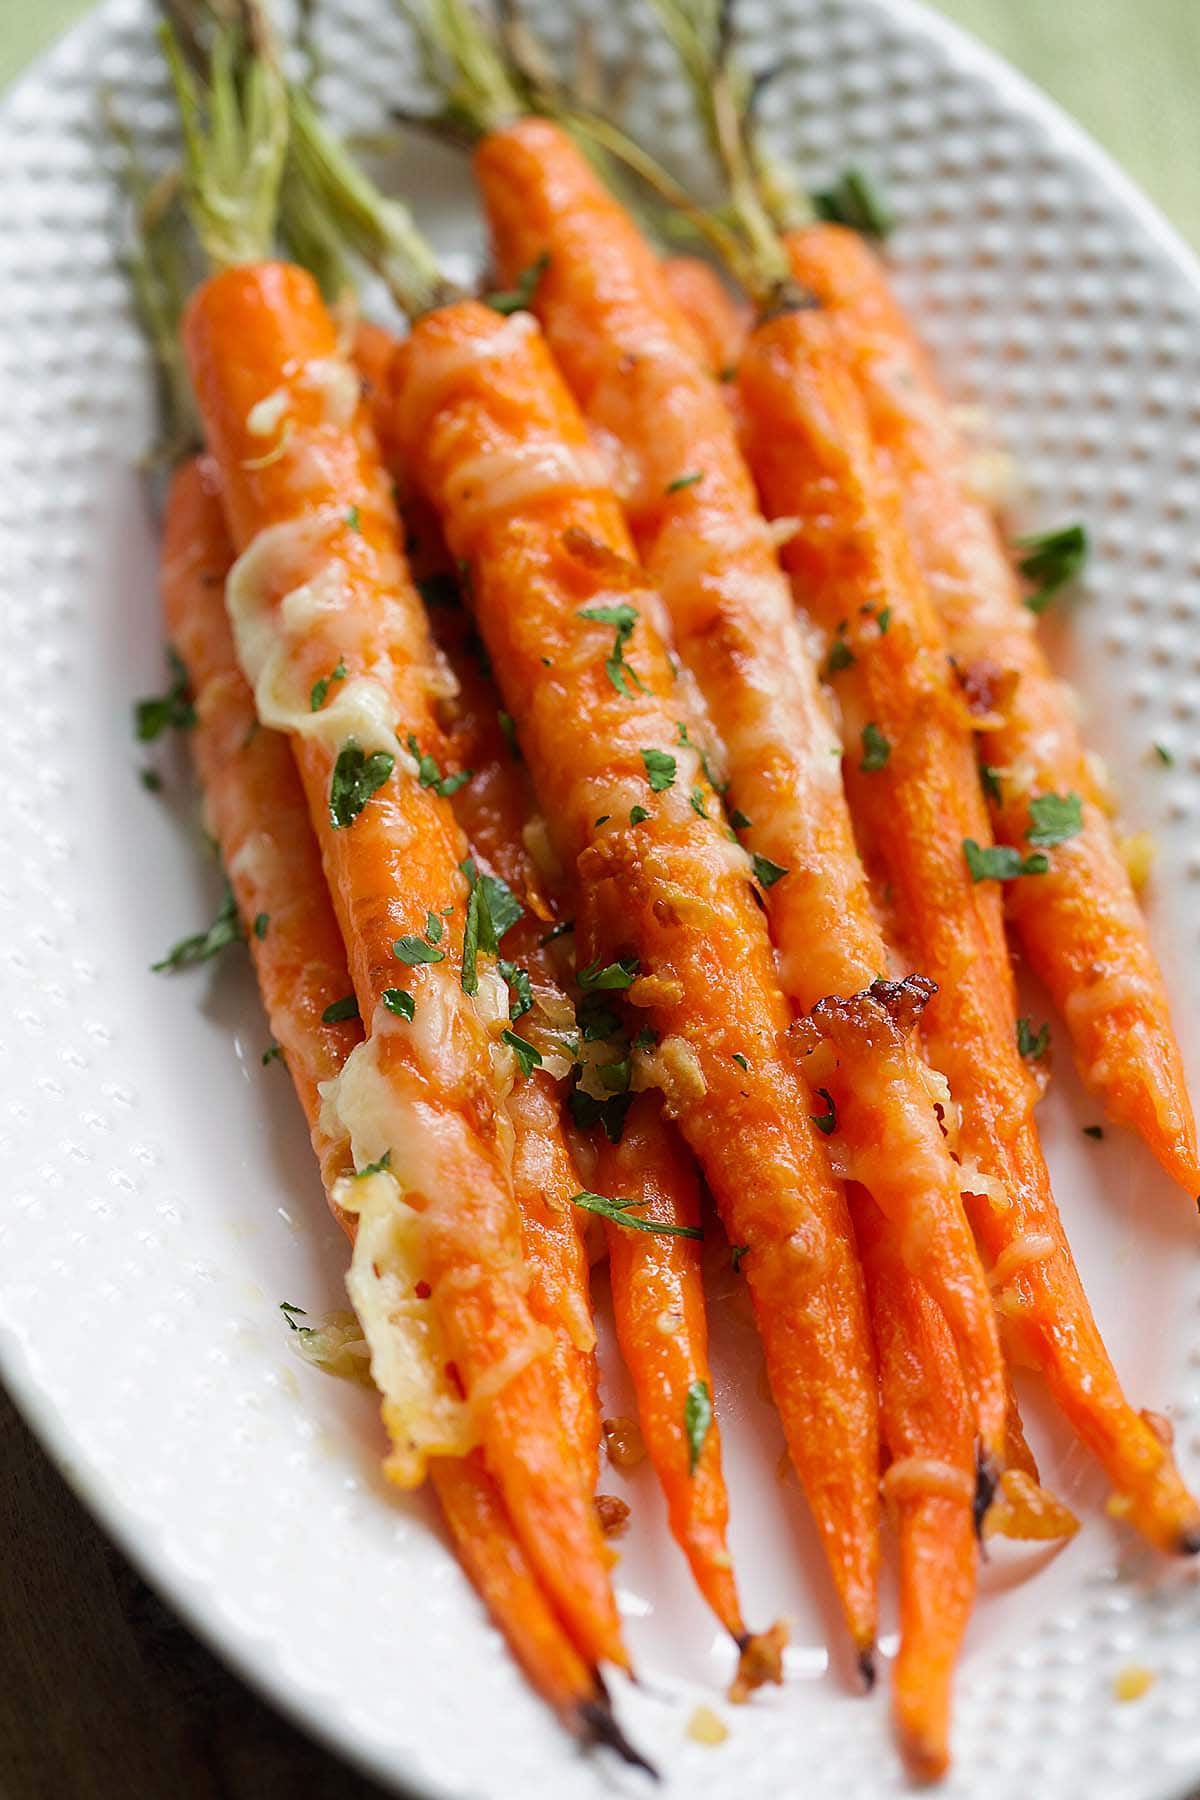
{"points": [[1031, 1247], [422, 1411], [508, 480], [336, 382], [441, 365], [1108, 995], [267, 415]]}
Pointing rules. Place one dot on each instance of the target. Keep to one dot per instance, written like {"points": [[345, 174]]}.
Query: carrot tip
{"points": [[597, 1724], [1188, 1541], [760, 1661], [986, 1480], [866, 1668]]}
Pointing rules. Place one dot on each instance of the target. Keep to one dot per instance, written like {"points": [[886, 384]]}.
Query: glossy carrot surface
{"points": [[321, 587], [503, 455], [1081, 927], [629, 357], [916, 803]]}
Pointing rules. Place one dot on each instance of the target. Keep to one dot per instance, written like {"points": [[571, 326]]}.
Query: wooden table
{"points": [[105, 1695]]}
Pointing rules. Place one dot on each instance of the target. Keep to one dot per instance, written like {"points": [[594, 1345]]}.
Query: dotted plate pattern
{"points": [[158, 1197]]}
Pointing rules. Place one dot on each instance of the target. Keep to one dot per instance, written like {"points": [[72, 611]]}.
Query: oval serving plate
{"points": [[158, 1199]]}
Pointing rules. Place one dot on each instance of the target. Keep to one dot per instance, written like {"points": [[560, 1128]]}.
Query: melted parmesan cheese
{"points": [[267, 415], [423, 1413], [1031, 1247], [336, 382], [508, 480]]}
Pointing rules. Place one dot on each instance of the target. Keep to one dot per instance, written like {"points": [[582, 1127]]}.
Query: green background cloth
{"points": [[1129, 70]]}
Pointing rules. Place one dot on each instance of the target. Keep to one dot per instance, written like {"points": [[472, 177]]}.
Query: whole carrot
{"points": [[330, 633], [929, 1486], [667, 914], [1081, 926], [657, 1290], [259, 816], [911, 780], [626, 352]]}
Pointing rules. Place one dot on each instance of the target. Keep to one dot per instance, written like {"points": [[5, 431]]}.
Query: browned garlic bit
{"points": [[623, 1441]]}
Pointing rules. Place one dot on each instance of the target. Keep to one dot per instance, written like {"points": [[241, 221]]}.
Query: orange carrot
{"points": [[911, 777], [666, 909], [930, 1485], [720, 320], [260, 820], [1081, 926], [626, 351]]}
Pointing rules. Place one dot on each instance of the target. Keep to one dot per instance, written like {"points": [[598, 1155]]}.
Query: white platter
{"points": [[158, 1201]]}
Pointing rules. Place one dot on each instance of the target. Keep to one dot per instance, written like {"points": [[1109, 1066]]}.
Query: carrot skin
{"points": [[658, 1307], [502, 454], [813, 458], [926, 1415], [720, 321], [640, 378], [254, 798], [1081, 927], [252, 334]]}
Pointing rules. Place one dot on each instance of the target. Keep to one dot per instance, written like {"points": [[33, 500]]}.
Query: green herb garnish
{"points": [[617, 975], [620, 1212], [399, 1002], [527, 1056], [622, 617], [855, 200], [1051, 561], [337, 1010], [172, 711], [355, 778], [491, 910], [430, 776], [320, 689], [1000, 862], [519, 297], [225, 929], [520, 991], [1031, 1043], [684, 481], [875, 749], [660, 769], [826, 1121], [414, 950], [697, 1417], [637, 814], [766, 872], [375, 1168], [990, 778], [261, 924], [1093, 1131], [1053, 818]]}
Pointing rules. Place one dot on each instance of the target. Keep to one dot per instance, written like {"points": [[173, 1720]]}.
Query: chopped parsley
{"points": [[1094, 1131], [615, 1075], [519, 297], [621, 1212], [740, 1060], [509, 730], [826, 1121], [520, 991], [684, 481], [353, 519], [696, 801], [610, 1114], [766, 872], [151, 780], [337, 1010], [617, 975], [1031, 1043], [854, 200], [414, 950], [637, 814], [527, 1056], [320, 689], [1000, 862], [738, 820], [430, 776], [875, 747], [355, 778], [399, 1002], [272, 1053], [884, 620], [1053, 818], [1165, 756], [433, 928], [737, 1253], [697, 1418], [1051, 560], [491, 910], [557, 931], [172, 711], [225, 929], [261, 923], [622, 617], [660, 769], [291, 1314], [375, 1168], [990, 778], [602, 820], [840, 656]]}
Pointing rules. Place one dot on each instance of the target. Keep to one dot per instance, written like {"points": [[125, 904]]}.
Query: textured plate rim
{"points": [[198, 1601]]}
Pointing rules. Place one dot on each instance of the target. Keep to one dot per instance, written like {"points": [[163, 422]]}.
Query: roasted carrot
{"points": [[666, 907], [1081, 926], [655, 1276], [625, 349], [911, 778], [259, 816], [330, 633], [929, 1486], [717, 316]]}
